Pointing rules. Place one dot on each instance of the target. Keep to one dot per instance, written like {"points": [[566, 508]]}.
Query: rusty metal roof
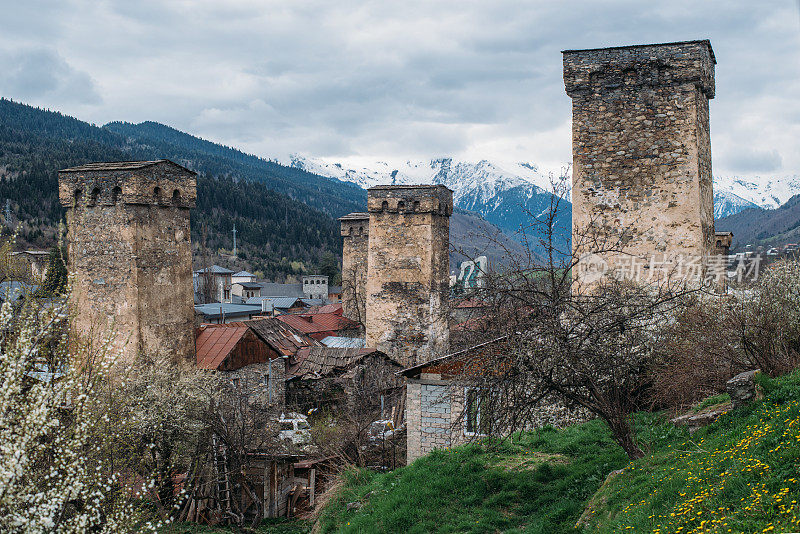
{"points": [[335, 308], [318, 322], [318, 362], [415, 370], [215, 342], [282, 337]]}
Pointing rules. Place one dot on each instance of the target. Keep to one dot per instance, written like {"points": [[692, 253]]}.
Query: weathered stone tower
{"points": [[355, 244], [130, 253], [641, 148], [408, 278]]}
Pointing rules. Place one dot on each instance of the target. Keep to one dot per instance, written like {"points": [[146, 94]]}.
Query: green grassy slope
{"points": [[737, 475], [536, 483]]}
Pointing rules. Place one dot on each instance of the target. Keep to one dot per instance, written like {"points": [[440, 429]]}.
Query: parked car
{"points": [[294, 428]]}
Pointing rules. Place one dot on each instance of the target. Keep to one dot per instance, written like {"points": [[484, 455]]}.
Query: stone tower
{"points": [[355, 244], [408, 276], [641, 149], [130, 254]]}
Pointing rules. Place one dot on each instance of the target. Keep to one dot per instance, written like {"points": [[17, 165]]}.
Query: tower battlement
{"points": [[160, 182]]}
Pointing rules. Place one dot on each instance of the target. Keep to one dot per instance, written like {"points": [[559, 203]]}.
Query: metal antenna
{"points": [[234, 240]]}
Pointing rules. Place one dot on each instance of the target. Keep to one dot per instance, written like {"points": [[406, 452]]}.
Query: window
{"points": [[474, 424], [176, 197], [401, 206], [95, 195], [78, 194], [115, 194], [287, 425]]}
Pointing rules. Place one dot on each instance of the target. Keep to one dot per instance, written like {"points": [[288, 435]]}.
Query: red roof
{"points": [[317, 323], [215, 344], [328, 308]]}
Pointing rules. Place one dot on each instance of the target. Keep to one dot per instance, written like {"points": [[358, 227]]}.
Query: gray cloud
{"points": [[41, 75], [749, 160], [412, 79]]}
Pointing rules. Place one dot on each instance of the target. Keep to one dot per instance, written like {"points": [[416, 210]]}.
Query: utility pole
{"points": [[234, 240]]}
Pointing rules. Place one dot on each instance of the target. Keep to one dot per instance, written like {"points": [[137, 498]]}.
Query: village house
{"points": [[243, 276], [253, 367], [322, 325], [212, 284], [334, 294], [32, 262], [355, 379], [246, 290]]}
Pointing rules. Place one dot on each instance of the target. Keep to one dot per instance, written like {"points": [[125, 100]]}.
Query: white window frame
{"points": [[467, 391]]}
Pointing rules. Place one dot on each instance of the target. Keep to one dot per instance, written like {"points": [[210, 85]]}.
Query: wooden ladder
{"points": [[223, 478]]}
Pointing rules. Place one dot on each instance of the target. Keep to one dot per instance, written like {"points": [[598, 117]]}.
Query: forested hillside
{"points": [[275, 230], [326, 194], [771, 227]]}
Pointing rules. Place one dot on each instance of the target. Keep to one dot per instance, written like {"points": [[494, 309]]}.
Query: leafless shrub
{"points": [[588, 343]]}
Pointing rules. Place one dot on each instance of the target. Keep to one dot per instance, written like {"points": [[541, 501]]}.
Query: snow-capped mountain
{"points": [[505, 194], [766, 192], [727, 203], [498, 190]]}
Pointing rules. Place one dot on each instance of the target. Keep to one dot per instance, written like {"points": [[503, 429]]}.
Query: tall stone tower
{"points": [[641, 149], [130, 254], [408, 276], [355, 244]]}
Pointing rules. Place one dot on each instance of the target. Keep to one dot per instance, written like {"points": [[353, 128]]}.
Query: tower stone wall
{"points": [[130, 254], [641, 147], [407, 271], [355, 244]]}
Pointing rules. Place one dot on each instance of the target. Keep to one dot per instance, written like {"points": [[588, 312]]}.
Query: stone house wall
{"points": [[264, 385], [641, 149], [434, 415]]}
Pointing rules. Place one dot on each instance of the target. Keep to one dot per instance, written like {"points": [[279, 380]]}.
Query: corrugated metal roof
{"points": [[280, 336], [317, 362], [214, 344], [318, 322], [328, 308], [283, 303], [242, 274], [217, 309], [344, 342], [214, 269], [249, 285], [411, 371], [282, 290]]}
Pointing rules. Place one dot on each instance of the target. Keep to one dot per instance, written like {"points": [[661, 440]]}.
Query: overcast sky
{"points": [[392, 79]]}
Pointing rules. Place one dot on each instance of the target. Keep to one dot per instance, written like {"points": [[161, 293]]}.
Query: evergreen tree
{"points": [[55, 281]]}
